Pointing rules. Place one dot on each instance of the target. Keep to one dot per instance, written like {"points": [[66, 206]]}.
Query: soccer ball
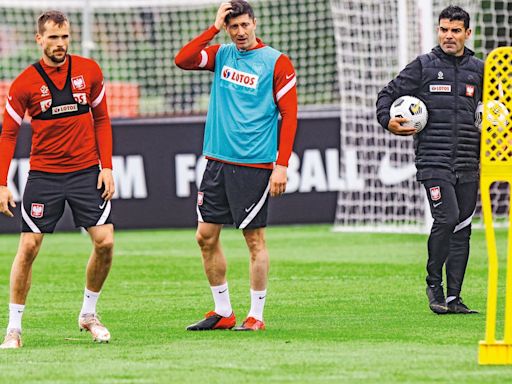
{"points": [[411, 108], [497, 114]]}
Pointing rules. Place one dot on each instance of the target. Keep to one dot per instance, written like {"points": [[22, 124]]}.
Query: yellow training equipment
{"points": [[496, 165]]}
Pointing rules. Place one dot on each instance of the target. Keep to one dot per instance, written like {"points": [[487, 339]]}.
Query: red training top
{"points": [[59, 144]]}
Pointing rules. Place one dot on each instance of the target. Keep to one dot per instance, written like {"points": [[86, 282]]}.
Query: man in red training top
{"points": [[70, 160], [253, 83]]}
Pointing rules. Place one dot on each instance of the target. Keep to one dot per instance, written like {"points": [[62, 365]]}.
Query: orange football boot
{"points": [[213, 320], [251, 324]]}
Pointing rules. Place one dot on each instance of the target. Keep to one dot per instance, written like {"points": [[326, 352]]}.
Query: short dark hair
{"points": [[57, 17], [454, 12], [239, 8]]}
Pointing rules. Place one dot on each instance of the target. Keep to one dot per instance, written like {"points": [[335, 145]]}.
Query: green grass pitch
{"points": [[341, 308]]}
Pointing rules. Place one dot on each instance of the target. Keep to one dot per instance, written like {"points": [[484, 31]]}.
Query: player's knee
{"points": [[104, 246], [255, 243], [452, 222], [462, 233], [205, 241], [445, 226], [448, 223], [29, 248]]}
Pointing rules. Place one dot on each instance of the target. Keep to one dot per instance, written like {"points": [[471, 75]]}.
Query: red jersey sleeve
{"points": [[102, 125], [196, 55], [15, 107], [285, 94]]}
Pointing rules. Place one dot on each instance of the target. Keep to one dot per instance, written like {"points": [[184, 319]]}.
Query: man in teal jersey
{"points": [[253, 83]]}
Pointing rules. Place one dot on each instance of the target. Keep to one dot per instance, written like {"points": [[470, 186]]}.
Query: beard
{"points": [[52, 55]]}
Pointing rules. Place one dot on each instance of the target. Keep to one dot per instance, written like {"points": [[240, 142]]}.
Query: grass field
{"points": [[345, 308]]}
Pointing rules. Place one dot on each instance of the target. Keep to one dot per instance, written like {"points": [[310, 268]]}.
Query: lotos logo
{"points": [[45, 105], [244, 79], [440, 88], [64, 109]]}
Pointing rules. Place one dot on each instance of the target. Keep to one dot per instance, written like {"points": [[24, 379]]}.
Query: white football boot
{"points": [[91, 323], [12, 339]]}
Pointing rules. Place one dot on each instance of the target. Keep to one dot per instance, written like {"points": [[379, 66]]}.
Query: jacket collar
{"points": [[438, 51]]}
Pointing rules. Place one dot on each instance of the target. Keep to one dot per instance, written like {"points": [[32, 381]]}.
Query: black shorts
{"points": [[232, 193], [46, 193]]}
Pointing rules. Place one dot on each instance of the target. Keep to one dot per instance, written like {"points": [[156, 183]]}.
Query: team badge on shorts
{"points": [[37, 210], [200, 196], [435, 193]]}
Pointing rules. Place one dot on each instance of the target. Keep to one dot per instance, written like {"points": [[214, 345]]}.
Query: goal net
{"points": [[375, 39], [135, 42], [344, 52]]}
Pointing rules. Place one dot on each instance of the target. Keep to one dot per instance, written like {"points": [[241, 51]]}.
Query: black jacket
{"points": [[449, 146]]}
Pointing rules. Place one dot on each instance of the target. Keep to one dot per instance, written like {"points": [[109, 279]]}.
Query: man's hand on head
{"points": [[223, 11]]}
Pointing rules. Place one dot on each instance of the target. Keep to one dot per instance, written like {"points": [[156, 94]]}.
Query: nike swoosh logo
{"points": [[248, 209], [437, 204], [223, 291], [9, 97], [262, 297], [390, 175], [289, 76], [103, 205]]}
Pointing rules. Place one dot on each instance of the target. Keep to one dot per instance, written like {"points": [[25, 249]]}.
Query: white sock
{"points": [[221, 298], [15, 315], [257, 304], [90, 300]]}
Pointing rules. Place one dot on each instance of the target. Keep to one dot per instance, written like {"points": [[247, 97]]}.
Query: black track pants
{"points": [[452, 207]]}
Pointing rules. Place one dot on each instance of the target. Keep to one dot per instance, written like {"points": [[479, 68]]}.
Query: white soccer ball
{"points": [[497, 114], [411, 108]]}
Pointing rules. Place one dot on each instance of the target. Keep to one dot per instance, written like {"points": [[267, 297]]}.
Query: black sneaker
{"points": [[213, 321], [458, 307], [436, 300]]}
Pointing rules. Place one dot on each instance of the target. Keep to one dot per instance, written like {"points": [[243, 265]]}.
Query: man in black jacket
{"points": [[449, 81]]}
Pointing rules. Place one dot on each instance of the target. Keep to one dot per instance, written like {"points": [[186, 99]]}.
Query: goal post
{"points": [[374, 41]]}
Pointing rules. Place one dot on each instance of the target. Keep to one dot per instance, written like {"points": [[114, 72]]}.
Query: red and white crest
{"points": [[470, 90], [200, 196], [37, 210], [44, 90], [435, 193], [78, 82]]}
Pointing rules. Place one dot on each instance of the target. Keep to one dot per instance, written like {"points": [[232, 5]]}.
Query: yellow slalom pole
{"points": [[508, 290], [496, 165], [492, 295]]}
